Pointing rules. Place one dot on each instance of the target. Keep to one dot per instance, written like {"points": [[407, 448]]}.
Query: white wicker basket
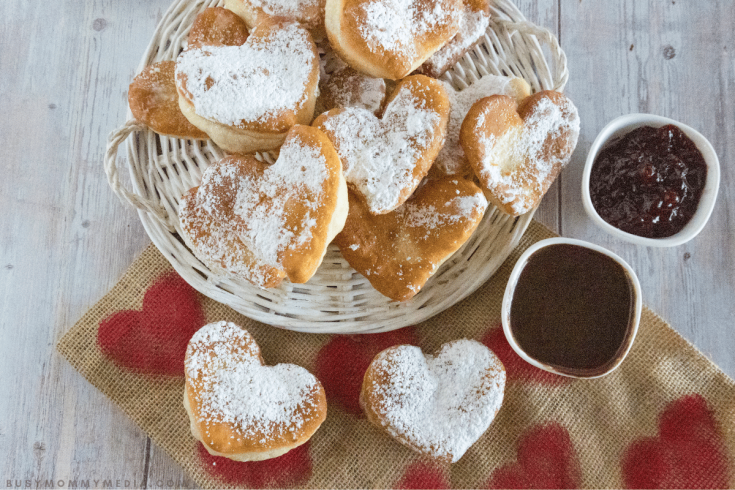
{"points": [[337, 299]]}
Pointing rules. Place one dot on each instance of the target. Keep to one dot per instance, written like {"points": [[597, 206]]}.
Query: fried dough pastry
{"points": [[517, 151], [154, 101], [247, 97], [398, 252], [451, 159], [153, 97], [217, 26], [238, 407], [474, 19], [390, 38], [310, 13], [384, 159], [343, 86], [437, 405], [265, 222]]}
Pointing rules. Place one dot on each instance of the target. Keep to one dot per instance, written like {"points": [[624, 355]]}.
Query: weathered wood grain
{"points": [[673, 59], [162, 468], [64, 238]]}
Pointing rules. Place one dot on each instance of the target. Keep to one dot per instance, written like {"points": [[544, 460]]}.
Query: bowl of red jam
{"points": [[572, 308], [650, 180]]}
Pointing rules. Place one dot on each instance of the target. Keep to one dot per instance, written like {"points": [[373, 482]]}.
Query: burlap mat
{"points": [[665, 418]]}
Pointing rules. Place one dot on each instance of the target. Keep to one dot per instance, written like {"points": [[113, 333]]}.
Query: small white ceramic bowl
{"points": [[623, 125], [632, 326]]}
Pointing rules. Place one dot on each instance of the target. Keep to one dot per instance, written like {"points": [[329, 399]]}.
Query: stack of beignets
{"points": [[411, 151]]}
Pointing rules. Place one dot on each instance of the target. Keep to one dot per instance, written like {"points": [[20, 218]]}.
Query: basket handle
{"points": [[561, 73], [114, 140]]}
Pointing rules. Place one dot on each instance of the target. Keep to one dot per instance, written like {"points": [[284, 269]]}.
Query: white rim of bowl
{"points": [[513, 282], [624, 124]]}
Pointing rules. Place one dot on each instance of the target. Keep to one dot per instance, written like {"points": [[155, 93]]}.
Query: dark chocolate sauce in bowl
{"points": [[573, 309]]}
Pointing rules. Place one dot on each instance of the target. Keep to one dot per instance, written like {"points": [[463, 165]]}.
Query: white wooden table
{"points": [[65, 239]]}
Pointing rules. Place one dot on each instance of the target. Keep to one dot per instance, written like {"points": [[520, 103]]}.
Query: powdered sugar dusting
{"points": [[232, 387], [347, 87], [394, 25], [439, 404], [371, 93], [469, 205], [219, 247], [472, 25], [250, 213], [461, 208], [286, 8], [379, 155], [263, 204], [529, 148], [451, 158], [242, 84]]}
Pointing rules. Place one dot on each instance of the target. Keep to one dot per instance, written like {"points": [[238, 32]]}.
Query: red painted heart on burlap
{"points": [[421, 475], [546, 459], [342, 362], [687, 453], [516, 368], [292, 469], [153, 340]]}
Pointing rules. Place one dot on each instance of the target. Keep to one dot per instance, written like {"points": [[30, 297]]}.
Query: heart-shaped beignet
{"points": [[238, 407], [390, 38], [247, 97], [451, 159], [517, 151], [438, 405], [263, 222], [384, 159], [398, 252]]}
